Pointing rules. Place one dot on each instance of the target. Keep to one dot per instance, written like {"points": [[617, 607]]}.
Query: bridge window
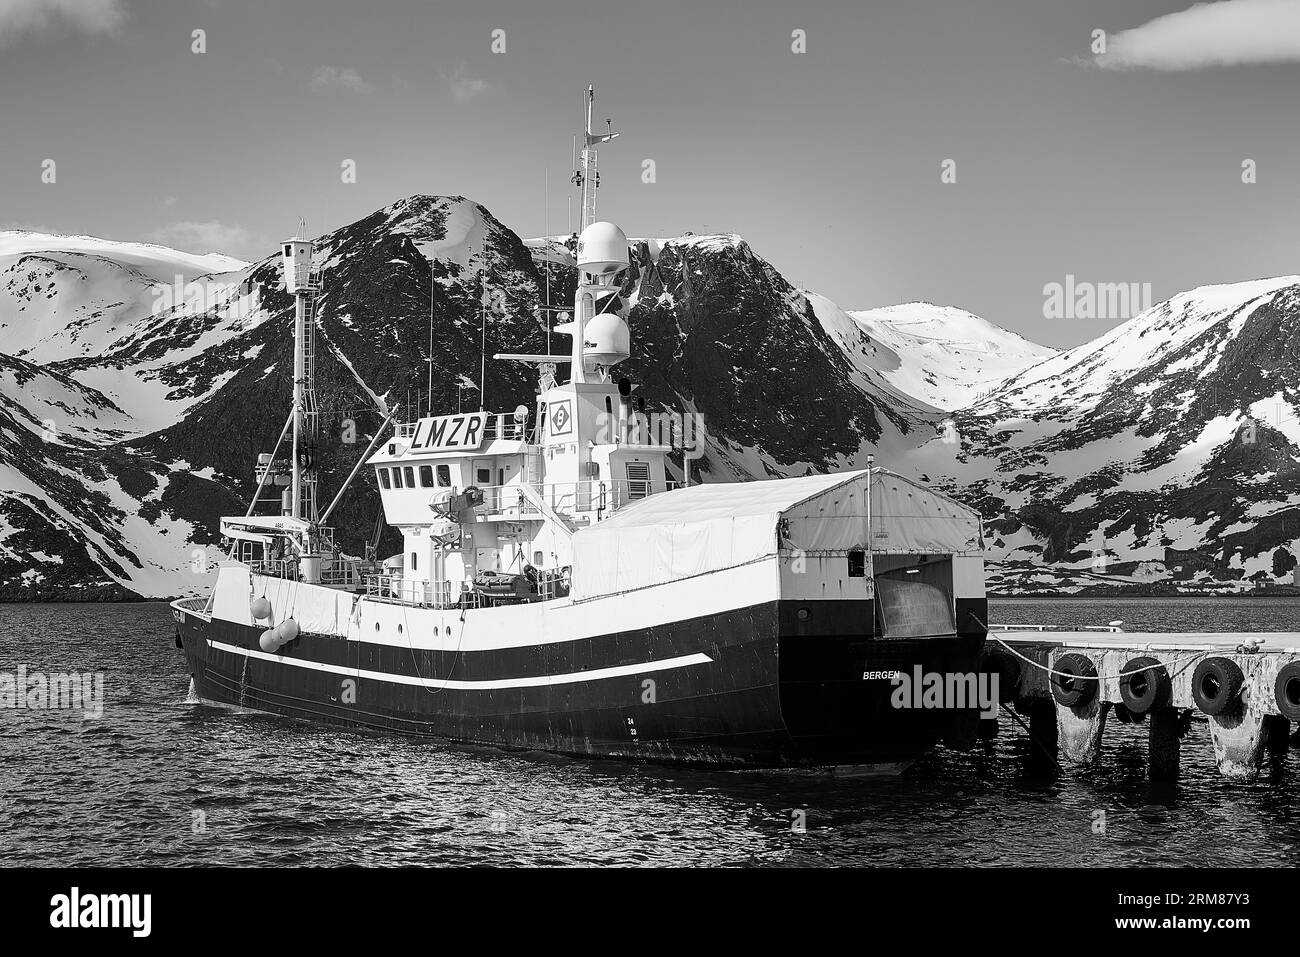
{"points": [[426, 476], [410, 476], [397, 477], [383, 478], [857, 564], [444, 476], [414, 564]]}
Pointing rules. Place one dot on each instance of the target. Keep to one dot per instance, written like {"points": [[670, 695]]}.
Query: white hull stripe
{"points": [[664, 664]]}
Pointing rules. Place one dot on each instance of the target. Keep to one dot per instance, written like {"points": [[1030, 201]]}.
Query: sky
{"points": [[1118, 166]]}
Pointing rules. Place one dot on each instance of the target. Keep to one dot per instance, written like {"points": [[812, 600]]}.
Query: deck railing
{"points": [[449, 594], [275, 567], [426, 594], [338, 572]]}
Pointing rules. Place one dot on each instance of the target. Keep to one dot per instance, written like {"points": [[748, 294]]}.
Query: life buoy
{"points": [[1078, 683], [1144, 685], [1216, 685], [1286, 691]]}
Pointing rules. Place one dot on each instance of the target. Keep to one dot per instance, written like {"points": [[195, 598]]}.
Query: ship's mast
{"points": [[303, 283], [587, 177]]}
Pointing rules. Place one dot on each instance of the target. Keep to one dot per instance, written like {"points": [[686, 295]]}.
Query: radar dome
{"points": [[605, 339], [602, 249]]}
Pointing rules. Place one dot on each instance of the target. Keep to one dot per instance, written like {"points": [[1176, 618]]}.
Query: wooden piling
{"points": [[1163, 754], [1043, 741]]}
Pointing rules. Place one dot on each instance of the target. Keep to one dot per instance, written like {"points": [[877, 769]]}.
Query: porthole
{"points": [[399, 629], [449, 631], [376, 626]]}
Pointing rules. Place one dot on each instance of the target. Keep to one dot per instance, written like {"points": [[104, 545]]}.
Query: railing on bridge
{"points": [[568, 497], [499, 426]]}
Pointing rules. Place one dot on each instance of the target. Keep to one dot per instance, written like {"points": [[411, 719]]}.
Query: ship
{"points": [[563, 587]]}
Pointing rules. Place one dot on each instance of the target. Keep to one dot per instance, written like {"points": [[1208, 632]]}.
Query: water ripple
{"points": [[160, 780]]}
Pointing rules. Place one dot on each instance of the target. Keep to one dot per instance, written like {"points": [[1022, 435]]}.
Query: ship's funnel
{"points": [[602, 250]]}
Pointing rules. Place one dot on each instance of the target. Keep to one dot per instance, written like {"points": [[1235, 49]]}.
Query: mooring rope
{"points": [[1096, 677]]}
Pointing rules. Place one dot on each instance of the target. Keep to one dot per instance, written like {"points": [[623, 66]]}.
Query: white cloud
{"points": [[212, 237], [31, 16], [1225, 33], [326, 77], [464, 87]]}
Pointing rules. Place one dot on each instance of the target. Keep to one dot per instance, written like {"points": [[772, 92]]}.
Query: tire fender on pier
{"points": [[1286, 691], [1216, 685], [1078, 683], [1144, 685], [1080, 707]]}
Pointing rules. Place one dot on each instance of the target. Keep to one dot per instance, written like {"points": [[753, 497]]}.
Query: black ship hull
{"points": [[770, 685]]}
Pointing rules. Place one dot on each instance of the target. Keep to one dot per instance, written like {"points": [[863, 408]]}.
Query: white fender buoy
{"points": [[269, 641], [261, 608], [288, 630]]}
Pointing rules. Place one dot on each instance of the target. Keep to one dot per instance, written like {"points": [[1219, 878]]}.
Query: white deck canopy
{"points": [[676, 535]]}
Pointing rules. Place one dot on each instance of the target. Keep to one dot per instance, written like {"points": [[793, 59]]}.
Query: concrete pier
{"points": [[1246, 684]]}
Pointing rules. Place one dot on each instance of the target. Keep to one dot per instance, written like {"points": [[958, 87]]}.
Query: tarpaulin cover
{"points": [[688, 532]]}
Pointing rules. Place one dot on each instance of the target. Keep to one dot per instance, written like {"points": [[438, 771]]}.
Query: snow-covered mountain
{"points": [[717, 329], [133, 403], [1167, 450], [943, 355], [137, 384], [64, 297]]}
